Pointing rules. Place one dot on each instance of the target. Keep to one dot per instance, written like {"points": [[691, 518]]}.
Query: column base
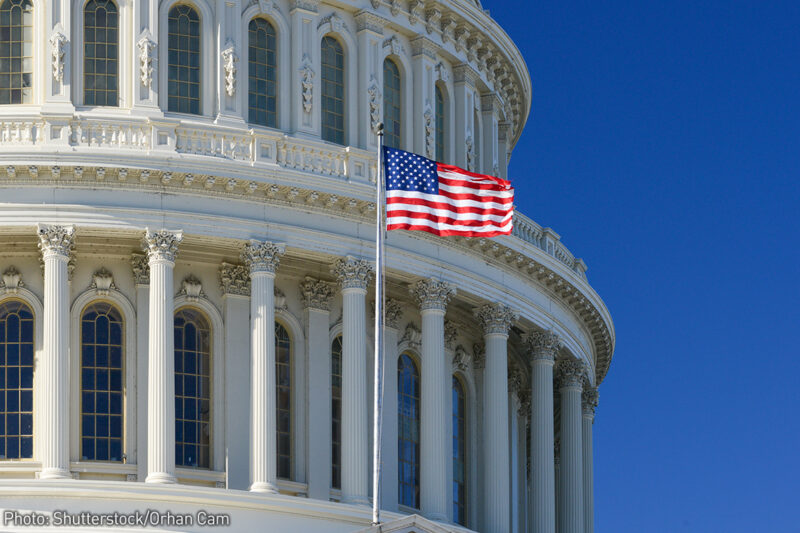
{"points": [[55, 473], [264, 487], [160, 477]]}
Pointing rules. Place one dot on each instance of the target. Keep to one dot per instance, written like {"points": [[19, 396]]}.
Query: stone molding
{"points": [[352, 272], [162, 245], [432, 294], [316, 294], [495, 319], [234, 280], [262, 256]]}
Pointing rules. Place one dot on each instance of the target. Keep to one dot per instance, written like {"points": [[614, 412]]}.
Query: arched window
{"points": [[441, 120], [408, 413], [100, 53], [262, 73], [283, 382], [16, 52], [192, 389], [101, 383], [459, 453], [392, 104], [183, 76], [336, 413], [16, 380], [332, 90]]}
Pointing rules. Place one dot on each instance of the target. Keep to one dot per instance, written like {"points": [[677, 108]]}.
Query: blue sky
{"points": [[664, 147]]}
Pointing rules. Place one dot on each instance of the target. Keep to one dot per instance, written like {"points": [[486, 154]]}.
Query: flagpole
{"points": [[379, 321]]}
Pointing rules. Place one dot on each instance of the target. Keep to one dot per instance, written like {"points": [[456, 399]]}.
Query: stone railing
{"points": [[548, 240]]}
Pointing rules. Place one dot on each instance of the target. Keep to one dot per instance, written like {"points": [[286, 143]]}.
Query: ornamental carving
{"points": [[337, 25], [448, 29], [394, 313], [442, 74], [162, 245], [415, 8], [352, 273], [280, 299], [234, 279], [450, 334], [102, 282], [589, 399], [412, 335], [478, 355], [570, 372], [461, 359], [432, 294], [394, 45], [141, 269], [192, 288], [524, 409], [262, 256], [11, 281], [56, 240], [515, 379], [375, 3], [470, 154], [428, 119], [496, 319], [229, 60], [374, 92], [394, 7], [432, 22], [542, 345], [317, 294], [58, 43], [307, 83], [146, 52]]}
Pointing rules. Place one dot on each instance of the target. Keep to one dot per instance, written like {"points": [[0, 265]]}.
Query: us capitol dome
{"points": [[187, 223]]}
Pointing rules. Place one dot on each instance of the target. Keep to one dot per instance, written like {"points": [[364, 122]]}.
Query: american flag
{"points": [[424, 195]]}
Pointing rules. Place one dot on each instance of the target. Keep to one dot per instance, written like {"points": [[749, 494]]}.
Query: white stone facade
{"points": [[153, 211]]}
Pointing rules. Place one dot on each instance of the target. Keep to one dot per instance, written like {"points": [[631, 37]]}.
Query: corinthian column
{"points": [[56, 244], [262, 258], [433, 296], [570, 374], [161, 247], [354, 275], [543, 347], [589, 405], [496, 320]]}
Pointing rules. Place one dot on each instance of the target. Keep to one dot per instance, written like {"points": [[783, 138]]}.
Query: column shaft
{"points": [[433, 437], [571, 460], [389, 483], [589, 405], [495, 435], [355, 436], [56, 243]]}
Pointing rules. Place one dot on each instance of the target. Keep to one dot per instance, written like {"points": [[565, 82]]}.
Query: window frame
{"points": [[418, 367], [292, 407], [276, 66], [36, 341], [390, 60], [79, 62], [35, 57], [345, 82]]}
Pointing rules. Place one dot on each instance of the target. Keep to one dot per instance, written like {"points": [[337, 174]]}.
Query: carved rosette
{"points": [[162, 245], [102, 282], [542, 345], [141, 269], [316, 294], [461, 359], [570, 372], [56, 240], [352, 273], [479, 355], [394, 313], [432, 294], [589, 400], [262, 256], [234, 280], [496, 319]]}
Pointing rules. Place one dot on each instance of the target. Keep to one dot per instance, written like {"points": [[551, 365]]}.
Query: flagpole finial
{"points": [[379, 128]]}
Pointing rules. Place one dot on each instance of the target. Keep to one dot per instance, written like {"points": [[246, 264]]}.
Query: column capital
{"points": [[141, 269], [262, 256], [309, 6], [56, 240], [353, 273], [496, 319], [421, 45], [394, 313], [367, 20], [316, 294], [161, 245], [570, 372], [234, 280], [589, 399], [432, 294], [543, 345]]}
